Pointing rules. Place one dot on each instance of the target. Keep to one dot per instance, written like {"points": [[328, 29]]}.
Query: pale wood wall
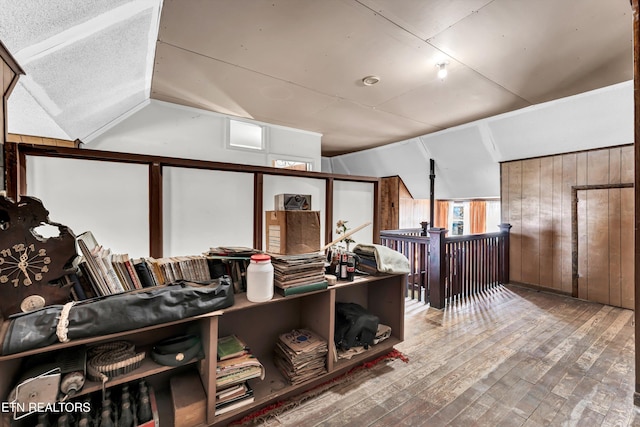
{"points": [[39, 140], [398, 207], [536, 201]]}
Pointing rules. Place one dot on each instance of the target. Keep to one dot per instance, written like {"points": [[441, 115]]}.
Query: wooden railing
{"points": [[411, 244], [443, 269]]}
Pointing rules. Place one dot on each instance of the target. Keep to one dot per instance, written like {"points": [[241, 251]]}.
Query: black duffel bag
{"points": [[354, 326], [116, 313]]}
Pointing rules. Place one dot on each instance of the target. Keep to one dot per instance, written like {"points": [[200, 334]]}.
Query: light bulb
{"points": [[442, 71]]}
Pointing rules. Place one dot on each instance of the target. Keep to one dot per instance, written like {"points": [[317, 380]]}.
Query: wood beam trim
{"points": [[636, 149]]}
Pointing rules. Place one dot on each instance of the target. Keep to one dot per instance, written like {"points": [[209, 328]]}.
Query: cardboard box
{"points": [[189, 400], [293, 232], [292, 202]]}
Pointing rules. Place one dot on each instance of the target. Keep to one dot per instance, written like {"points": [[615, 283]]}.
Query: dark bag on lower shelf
{"points": [[355, 326], [116, 313]]}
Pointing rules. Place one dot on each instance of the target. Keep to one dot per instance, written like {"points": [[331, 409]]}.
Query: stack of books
{"points": [[301, 355], [295, 274], [233, 397], [236, 365]]}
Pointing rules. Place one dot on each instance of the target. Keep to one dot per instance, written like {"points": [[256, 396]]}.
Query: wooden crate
{"points": [[189, 400]]}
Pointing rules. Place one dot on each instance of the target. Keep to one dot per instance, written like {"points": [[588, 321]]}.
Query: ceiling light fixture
{"points": [[442, 70], [370, 80]]}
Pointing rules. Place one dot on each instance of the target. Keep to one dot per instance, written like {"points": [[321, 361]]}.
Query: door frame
{"points": [[574, 226]]}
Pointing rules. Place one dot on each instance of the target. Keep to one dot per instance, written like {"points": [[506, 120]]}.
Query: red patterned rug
{"points": [[277, 408]]}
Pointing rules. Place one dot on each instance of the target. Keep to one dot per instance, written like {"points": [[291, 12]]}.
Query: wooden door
{"points": [[605, 219]]}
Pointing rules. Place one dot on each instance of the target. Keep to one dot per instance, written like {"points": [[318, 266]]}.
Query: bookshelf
{"points": [[383, 295]]}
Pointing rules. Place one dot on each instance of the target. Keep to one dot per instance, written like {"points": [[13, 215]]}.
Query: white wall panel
{"points": [[353, 202], [109, 199], [204, 209]]}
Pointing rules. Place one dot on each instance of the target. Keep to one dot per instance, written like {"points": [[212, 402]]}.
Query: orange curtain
{"points": [[477, 216], [441, 216]]}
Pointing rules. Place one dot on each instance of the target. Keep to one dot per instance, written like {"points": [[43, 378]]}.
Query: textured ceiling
{"points": [[300, 63]]}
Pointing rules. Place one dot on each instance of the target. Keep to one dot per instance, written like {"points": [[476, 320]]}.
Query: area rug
{"points": [[275, 409]]}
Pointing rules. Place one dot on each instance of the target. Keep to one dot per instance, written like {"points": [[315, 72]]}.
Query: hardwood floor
{"points": [[512, 357]]}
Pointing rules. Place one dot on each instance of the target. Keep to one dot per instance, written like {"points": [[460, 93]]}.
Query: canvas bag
{"points": [[354, 326]]}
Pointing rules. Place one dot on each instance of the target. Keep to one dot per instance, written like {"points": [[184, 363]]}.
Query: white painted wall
{"points": [[204, 209], [166, 129], [467, 157], [353, 202], [100, 197]]}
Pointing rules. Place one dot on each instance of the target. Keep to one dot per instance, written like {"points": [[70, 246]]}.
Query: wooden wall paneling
{"points": [[504, 193], [531, 188], [389, 192], [598, 165], [557, 225], [546, 222], [626, 164], [569, 179], [582, 177], [598, 242], [514, 192], [582, 246], [614, 255], [615, 166], [627, 267]]}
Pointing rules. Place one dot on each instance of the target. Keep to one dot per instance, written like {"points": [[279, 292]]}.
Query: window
{"points": [[246, 135], [291, 164]]}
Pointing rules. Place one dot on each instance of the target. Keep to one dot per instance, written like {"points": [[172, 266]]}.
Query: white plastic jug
{"points": [[260, 278]]}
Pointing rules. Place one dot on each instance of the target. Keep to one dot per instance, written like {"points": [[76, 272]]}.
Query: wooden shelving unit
{"points": [[259, 325]]}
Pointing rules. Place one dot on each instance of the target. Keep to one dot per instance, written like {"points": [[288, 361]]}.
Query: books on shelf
{"points": [[231, 346], [105, 273], [237, 370], [301, 355], [233, 397]]}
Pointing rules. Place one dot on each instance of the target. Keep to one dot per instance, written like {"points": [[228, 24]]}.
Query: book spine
{"points": [[144, 274], [132, 274], [94, 268]]}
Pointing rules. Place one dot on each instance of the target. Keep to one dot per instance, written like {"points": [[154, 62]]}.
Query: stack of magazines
{"points": [[236, 365], [295, 274], [301, 355]]}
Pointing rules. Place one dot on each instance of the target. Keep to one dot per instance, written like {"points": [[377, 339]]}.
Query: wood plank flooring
{"points": [[511, 357]]}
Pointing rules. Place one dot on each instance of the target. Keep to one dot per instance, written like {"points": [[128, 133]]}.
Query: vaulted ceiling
{"points": [[300, 63]]}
